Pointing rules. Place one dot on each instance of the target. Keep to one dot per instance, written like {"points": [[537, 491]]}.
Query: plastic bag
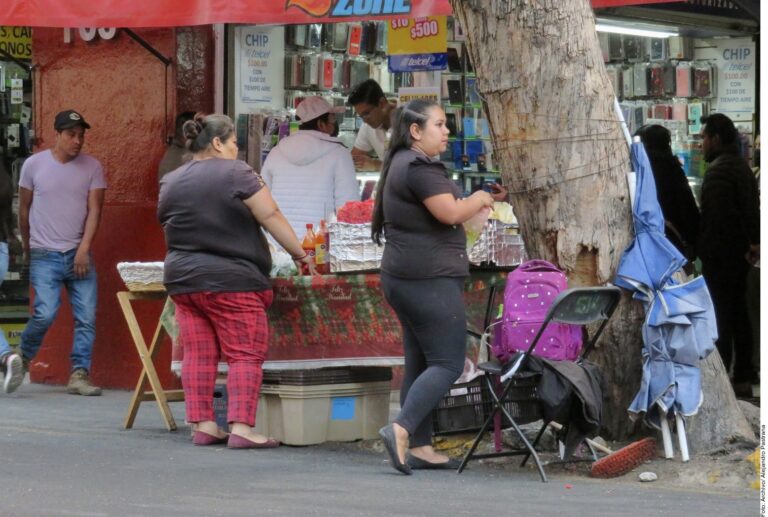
{"points": [[502, 211], [474, 226]]}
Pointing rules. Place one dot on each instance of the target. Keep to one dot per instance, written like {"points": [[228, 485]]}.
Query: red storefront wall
{"points": [[120, 88]]}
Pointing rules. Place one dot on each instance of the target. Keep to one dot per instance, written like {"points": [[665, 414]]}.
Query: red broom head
{"points": [[625, 459]]}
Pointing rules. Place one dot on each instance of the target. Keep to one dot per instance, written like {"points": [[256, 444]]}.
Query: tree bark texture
{"points": [[563, 157], [559, 145], [720, 420]]}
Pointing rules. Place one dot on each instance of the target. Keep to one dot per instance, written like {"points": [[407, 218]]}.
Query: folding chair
{"points": [[513, 389]]}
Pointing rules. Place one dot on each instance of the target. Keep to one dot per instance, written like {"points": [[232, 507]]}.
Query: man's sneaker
{"points": [[14, 373], [80, 384]]}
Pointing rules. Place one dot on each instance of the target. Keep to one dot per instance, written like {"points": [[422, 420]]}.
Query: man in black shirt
{"points": [[729, 243]]}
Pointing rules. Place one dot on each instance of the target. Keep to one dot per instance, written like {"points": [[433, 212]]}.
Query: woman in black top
{"points": [[681, 216], [420, 211], [212, 210]]}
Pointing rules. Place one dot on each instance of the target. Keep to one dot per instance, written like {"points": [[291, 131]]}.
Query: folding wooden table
{"points": [[148, 373]]}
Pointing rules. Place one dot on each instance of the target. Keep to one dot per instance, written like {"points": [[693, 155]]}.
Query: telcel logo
{"points": [[343, 8]]}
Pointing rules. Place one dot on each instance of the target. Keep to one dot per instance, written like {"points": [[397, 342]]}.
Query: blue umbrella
{"points": [[679, 328], [651, 259]]}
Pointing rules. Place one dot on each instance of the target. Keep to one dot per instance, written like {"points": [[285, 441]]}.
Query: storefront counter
{"points": [[315, 322], [343, 319]]}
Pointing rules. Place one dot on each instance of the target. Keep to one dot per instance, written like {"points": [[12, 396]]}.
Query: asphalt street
{"points": [[63, 455]]}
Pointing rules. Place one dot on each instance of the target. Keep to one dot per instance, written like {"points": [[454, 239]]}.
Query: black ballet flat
{"points": [[387, 434], [420, 464]]}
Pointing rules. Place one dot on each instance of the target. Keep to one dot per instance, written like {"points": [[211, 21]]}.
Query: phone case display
{"points": [[696, 110], [662, 111], [683, 80], [328, 71], [469, 154], [336, 57], [355, 35], [628, 82], [640, 79], [703, 81], [340, 35], [472, 96], [657, 49], [455, 94], [454, 58], [615, 47], [668, 79], [680, 47], [381, 37], [450, 120], [634, 48], [680, 111], [656, 81]]}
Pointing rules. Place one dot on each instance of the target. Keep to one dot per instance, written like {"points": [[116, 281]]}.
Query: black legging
{"points": [[431, 313]]}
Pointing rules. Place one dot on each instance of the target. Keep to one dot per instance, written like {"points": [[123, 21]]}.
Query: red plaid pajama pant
{"points": [[232, 326]]}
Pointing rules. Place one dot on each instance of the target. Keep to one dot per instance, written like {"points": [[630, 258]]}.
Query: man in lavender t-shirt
{"points": [[61, 192]]}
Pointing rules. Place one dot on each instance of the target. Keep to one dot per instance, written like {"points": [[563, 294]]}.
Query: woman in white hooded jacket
{"points": [[311, 172]]}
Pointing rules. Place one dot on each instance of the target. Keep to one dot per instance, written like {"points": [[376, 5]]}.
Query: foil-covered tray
{"points": [[351, 248], [499, 244]]}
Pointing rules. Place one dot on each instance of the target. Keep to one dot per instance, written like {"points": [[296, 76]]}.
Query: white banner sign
{"points": [[735, 61], [260, 54]]}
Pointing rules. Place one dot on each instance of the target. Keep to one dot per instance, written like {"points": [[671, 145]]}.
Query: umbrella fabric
{"points": [[679, 328], [651, 259], [678, 332]]}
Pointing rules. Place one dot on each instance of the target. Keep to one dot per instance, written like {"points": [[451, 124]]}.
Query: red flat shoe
{"points": [[203, 438], [240, 442]]}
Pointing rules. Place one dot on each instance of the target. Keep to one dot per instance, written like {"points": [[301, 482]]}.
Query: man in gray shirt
{"points": [[61, 192]]}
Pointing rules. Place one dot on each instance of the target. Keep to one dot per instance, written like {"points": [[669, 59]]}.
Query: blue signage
{"points": [[418, 62]]}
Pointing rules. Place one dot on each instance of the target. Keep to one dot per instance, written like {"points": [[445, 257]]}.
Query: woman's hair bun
{"points": [[191, 129]]}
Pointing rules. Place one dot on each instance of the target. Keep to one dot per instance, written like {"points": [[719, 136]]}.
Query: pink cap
{"points": [[314, 107]]}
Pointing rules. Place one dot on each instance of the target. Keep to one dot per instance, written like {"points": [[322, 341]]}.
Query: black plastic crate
{"points": [[461, 410], [521, 402], [333, 375], [466, 406]]}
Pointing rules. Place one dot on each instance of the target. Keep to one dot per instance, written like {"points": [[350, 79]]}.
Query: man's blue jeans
{"points": [[5, 348], [49, 271]]}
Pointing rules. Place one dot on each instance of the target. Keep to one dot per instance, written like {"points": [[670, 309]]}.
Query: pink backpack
{"points": [[528, 294]]}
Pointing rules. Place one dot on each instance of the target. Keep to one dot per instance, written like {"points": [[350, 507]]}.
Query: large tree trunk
{"points": [[559, 145], [720, 420]]}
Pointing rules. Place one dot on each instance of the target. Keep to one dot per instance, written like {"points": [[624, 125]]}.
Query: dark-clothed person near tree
{"points": [[419, 210], [729, 243], [681, 215], [212, 210]]}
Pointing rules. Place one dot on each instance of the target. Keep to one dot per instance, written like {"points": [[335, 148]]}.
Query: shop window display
{"points": [[15, 146]]}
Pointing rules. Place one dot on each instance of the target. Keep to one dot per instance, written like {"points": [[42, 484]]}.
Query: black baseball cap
{"points": [[69, 119]]}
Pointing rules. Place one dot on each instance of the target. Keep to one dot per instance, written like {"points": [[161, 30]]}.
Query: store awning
{"points": [[173, 13]]}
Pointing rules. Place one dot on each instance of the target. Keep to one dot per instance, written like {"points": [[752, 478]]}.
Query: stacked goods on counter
{"points": [[352, 248], [499, 242], [142, 276]]}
